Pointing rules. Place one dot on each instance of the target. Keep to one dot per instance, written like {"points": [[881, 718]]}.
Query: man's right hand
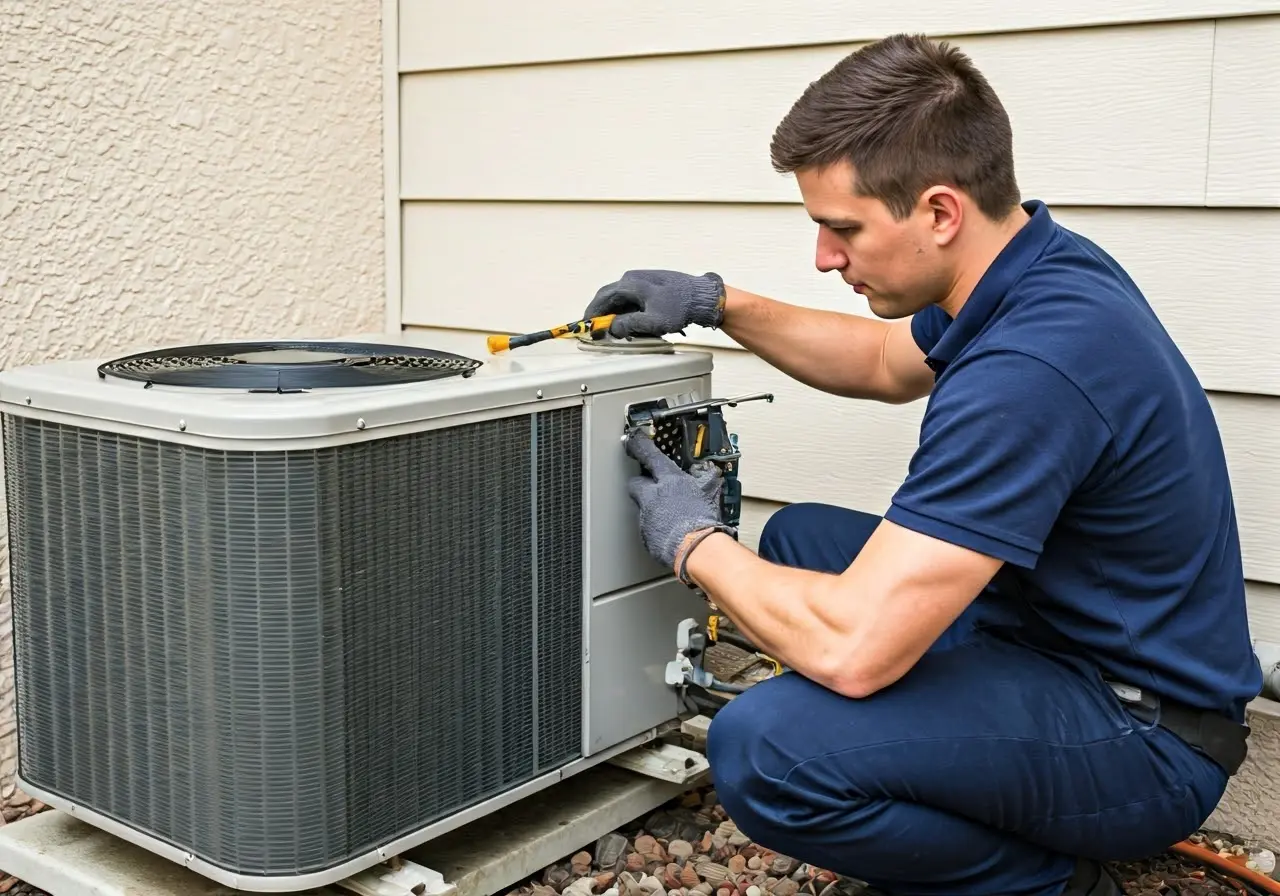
{"points": [[655, 303]]}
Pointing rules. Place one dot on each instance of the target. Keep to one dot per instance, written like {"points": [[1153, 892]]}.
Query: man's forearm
{"points": [[855, 632], [786, 612], [842, 354]]}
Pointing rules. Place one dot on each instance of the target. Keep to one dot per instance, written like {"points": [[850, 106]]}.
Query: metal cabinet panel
{"points": [[633, 637]]}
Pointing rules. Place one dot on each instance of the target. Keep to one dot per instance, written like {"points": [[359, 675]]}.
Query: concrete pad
{"points": [[68, 857], [65, 856]]}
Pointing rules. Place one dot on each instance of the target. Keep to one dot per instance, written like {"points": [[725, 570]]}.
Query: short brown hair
{"points": [[907, 113]]}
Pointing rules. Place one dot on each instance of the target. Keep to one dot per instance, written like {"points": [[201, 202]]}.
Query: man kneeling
{"points": [[1037, 659]]}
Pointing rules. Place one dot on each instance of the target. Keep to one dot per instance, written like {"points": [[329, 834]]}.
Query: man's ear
{"points": [[946, 211]]}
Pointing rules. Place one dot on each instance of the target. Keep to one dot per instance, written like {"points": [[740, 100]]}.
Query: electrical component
{"points": [[687, 668], [694, 433]]}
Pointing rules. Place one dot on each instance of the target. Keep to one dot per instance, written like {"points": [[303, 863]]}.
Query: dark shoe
{"points": [[1092, 879]]}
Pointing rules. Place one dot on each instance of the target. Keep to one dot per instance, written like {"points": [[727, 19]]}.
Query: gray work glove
{"points": [[672, 503], [655, 303]]}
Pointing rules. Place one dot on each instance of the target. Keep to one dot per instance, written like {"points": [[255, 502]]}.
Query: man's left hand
{"points": [[673, 504]]}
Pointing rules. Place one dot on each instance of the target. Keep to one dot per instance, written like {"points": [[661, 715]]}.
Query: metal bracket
{"points": [[667, 762], [397, 877], [691, 643], [695, 433], [648, 413]]}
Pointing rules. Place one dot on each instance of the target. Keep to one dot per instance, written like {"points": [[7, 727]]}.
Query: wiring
{"points": [[728, 687], [718, 634]]}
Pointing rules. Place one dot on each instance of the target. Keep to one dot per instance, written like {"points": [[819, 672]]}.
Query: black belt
{"points": [[1221, 739]]}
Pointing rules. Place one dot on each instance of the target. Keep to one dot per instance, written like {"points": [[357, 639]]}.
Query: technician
{"points": [[1038, 658]]}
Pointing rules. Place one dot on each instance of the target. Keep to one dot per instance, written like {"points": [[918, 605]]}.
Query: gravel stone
{"points": [[611, 852], [680, 850], [691, 848]]}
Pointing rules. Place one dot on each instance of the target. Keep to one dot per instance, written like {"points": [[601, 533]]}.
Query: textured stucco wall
{"points": [[176, 171], [1251, 806]]}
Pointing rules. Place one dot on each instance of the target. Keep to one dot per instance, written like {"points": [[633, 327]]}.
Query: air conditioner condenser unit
{"points": [[282, 609]]}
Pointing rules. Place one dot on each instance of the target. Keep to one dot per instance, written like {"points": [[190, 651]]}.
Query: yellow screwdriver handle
{"points": [[500, 343]]}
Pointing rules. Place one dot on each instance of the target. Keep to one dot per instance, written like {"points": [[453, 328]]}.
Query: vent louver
{"points": [[279, 660]]}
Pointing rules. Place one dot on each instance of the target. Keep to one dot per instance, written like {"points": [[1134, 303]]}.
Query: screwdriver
{"points": [[595, 327]]}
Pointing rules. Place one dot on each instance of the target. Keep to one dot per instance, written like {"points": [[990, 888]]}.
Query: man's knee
{"points": [[781, 529], [752, 756], [815, 536], [734, 751], [729, 737]]}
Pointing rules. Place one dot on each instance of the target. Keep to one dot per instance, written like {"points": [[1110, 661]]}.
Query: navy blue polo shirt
{"points": [[1067, 436]]}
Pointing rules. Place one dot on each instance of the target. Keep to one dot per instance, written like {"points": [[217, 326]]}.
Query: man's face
{"points": [[896, 265]]}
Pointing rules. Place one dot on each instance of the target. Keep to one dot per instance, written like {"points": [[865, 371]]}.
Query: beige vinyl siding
{"points": [[640, 139], [438, 34], [1111, 116], [1263, 599], [1244, 150], [1188, 261]]}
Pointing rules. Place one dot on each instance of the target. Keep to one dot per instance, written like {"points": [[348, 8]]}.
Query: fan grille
{"points": [[280, 366], [281, 660]]}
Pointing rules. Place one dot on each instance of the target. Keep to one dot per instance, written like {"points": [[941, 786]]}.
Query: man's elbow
{"points": [[853, 687], [858, 676]]}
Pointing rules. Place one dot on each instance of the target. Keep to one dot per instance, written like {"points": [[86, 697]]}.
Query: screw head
{"points": [[182, 425], [360, 424], [539, 393], [583, 387]]}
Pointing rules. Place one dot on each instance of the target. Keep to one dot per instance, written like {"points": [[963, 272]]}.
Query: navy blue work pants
{"points": [[987, 769]]}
